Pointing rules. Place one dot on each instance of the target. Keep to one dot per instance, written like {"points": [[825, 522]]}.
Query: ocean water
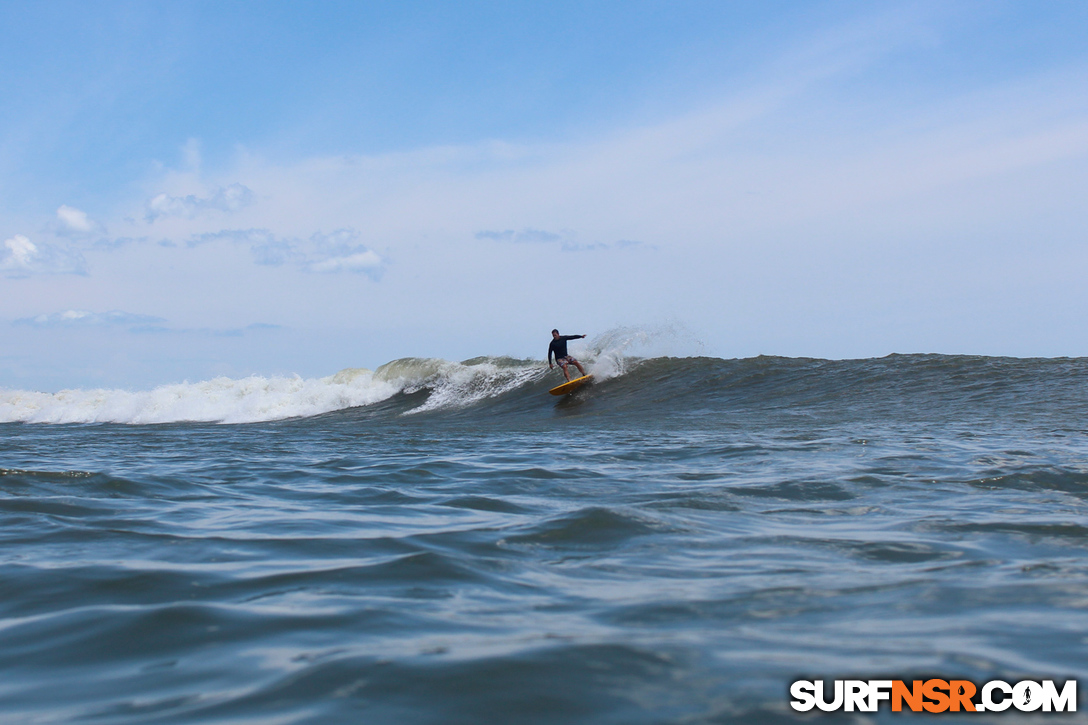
{"points": [[440, 542]]}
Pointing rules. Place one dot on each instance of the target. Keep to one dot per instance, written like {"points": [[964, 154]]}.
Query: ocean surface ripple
{"points": [[438, 542]]}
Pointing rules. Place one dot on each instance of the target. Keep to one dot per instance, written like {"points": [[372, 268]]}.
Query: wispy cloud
{"points": [[85, 318], [568, 238], [622, 244], [254, 238], [340, 251], [21, 257], [134, 323], [525, 235], [337, 251], [108, 243], [206, 331], [227, 199]]}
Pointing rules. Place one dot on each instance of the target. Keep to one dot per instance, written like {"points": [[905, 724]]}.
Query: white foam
{"points": [[455, 385], [255, 398], [221, 400]]}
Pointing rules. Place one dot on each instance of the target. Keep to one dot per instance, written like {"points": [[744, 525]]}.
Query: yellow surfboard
{"points": [[571, 386]]}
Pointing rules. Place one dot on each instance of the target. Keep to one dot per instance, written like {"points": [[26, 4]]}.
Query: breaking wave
{"points": [[256, 398], [630, 380]]}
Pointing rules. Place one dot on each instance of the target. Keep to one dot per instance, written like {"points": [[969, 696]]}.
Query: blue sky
{"points": [[199, 189]]}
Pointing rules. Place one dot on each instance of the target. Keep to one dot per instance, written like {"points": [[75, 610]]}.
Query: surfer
{"points": [[558, 347]]}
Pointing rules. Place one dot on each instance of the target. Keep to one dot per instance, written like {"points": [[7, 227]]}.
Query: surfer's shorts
{"points": [[565, 361]]}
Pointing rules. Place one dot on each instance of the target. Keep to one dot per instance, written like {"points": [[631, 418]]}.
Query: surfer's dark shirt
{"points": [[558, 347]]}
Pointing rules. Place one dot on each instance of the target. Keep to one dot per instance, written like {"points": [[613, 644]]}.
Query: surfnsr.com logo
{"points": [[934, 696]]}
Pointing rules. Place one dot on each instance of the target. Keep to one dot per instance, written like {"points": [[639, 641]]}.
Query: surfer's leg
{"points": [[581, 369], [563, 365]]}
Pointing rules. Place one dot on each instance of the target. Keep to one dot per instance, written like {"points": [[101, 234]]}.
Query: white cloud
{"points": [[367, 261], [21, 251], [228, 199], [340, 251], [72, 221], [21, 258]]}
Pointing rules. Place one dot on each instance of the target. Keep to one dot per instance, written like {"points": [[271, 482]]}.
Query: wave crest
{"points": [[220, 400], [257, 398]]}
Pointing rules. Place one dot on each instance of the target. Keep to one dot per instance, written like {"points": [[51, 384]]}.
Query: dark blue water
{"points": [[674, 544]]}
